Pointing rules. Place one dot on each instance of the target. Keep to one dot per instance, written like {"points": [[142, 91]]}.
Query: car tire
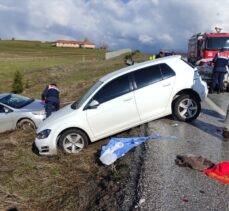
{"points": [[26, 124], [186, 108], [73, 141]]}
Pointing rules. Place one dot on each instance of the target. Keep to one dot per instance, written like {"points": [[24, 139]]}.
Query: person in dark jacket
{"points": [[160, 54], [50, 96], [192, 59], [220, 62]]}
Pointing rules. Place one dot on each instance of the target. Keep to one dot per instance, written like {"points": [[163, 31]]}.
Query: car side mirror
{"points": [[93, 104]]}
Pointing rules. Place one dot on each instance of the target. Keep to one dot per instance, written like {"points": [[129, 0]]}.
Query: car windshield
{"points": [[16, 101], [80, 102], [216, 43]]}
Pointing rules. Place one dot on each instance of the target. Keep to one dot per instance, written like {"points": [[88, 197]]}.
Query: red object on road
{"points": [[185, 199], [220, 172]]}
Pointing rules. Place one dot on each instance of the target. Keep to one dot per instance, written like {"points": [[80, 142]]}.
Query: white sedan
{"points": [[17, 111], [124, 99]]}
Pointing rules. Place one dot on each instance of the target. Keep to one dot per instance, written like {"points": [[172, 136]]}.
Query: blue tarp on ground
{"points": [[118, 147]]}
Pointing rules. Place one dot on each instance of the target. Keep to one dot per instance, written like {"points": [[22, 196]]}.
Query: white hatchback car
{"points": [[124, 99]]}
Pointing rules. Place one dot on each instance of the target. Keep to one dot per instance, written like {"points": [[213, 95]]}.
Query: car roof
{"points": [[136, 66]]}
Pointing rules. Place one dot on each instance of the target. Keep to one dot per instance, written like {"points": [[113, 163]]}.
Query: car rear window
{"points": [[166, 71], [147, 76]]}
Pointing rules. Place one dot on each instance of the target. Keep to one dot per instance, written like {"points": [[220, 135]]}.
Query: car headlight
{"points": [[43, 134], [42, 112]]}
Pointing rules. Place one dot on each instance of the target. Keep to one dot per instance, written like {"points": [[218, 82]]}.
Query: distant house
{"points": [[74, 44], [87, 44]]}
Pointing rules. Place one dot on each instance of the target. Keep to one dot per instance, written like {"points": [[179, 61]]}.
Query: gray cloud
{"points": [[147, 25]]}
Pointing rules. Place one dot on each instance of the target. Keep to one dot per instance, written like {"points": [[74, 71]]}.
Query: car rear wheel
{"points": [[186, 108], [26, 124], [73, 141]]}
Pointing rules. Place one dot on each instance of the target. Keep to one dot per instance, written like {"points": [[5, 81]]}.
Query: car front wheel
{"points": [[26, 124], [186, 108], [73, 141]]}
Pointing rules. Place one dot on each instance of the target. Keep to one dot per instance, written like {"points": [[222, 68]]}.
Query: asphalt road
{"points": [[165, 186]]}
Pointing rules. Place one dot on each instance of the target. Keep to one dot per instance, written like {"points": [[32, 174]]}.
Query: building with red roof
{"points": [[74, 44]]}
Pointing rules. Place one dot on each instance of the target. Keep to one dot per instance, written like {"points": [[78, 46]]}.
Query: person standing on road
{"points": [[50, 96], [220, 62], [226, 126], [192, 59]]}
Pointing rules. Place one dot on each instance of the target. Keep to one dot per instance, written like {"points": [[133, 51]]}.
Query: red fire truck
{"points": [[206, 45]]}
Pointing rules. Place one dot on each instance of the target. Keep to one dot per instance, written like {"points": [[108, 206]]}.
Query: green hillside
{"points": [[41, 49], [31, 57]]}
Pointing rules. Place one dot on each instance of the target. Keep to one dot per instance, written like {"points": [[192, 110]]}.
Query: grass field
{"points": [[32, 57], [62, 182], [41, 63]]}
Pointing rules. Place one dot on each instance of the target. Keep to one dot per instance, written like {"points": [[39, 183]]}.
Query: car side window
{"points": [[2, 110], [113, 89], [147, 76], [166, 71]]}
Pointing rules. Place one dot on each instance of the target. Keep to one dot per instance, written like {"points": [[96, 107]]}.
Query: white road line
{"points": [[215, 107]]}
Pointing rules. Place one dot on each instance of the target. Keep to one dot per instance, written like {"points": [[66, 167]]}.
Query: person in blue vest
{"points": [[50, 96], [220, 62]]}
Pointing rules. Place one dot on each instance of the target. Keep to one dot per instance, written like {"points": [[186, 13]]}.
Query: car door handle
{"points": [[164, 85], [127, 99]]}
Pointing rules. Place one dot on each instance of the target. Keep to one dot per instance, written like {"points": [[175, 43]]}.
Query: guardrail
{"points": [[113, 54]]}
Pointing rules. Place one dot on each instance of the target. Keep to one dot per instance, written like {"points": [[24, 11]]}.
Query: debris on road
{"points": [[118, 147], [185, 199], [141, 201], [219, 172], [174, 125], [196, 162]]}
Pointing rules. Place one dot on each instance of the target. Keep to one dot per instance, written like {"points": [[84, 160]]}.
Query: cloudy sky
{"points": [[146, 25]]}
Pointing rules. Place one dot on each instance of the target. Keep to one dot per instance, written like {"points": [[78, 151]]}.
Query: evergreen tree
{"points": [[17, 86]]}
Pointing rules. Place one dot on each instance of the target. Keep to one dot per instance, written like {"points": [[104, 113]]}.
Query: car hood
{"points": [[36, 105], [56, 117]]}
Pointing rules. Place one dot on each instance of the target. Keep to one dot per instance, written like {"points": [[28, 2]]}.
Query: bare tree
{"points": [[103, 45]]}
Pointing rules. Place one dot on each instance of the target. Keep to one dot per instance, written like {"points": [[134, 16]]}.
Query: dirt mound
{"points": [[33, 182]]}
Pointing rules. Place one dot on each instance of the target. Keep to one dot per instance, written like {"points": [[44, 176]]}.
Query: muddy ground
{"points": [[65, 182]]}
